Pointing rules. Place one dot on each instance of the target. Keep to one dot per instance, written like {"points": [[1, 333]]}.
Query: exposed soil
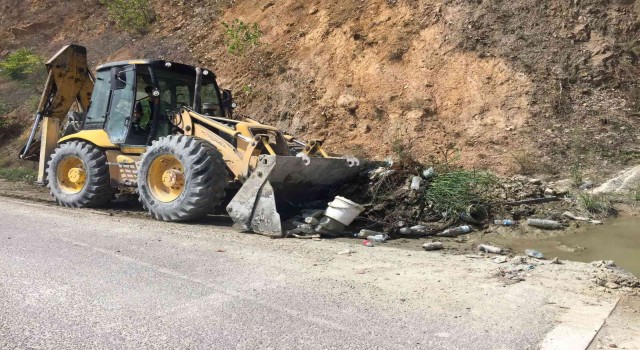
{"points": [[515, 86]]}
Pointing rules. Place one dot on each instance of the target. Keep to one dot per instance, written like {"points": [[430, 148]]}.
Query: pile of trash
{"points": [[408, 199]]}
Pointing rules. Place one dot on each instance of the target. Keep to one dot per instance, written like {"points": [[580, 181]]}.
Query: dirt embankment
{"points": [[516, 86]]}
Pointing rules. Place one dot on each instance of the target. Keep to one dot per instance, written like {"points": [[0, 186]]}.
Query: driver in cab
{"points": [[143, 112]]}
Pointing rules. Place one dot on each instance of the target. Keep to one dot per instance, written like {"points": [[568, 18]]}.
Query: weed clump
{"points": [[240, 36], [130, 15], [451, 193], [20, 64], [595, 204]]}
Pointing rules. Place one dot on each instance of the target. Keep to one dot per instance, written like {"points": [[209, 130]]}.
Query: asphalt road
{"points": [[78, 279]]}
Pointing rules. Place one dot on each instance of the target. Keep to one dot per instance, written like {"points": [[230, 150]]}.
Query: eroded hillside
{"points": [[513, 86]]}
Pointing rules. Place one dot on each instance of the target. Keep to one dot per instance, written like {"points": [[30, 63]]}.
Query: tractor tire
{"points": [[78, 175], [181, 178]]}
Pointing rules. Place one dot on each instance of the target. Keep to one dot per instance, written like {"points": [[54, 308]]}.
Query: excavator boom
{"points": [[69, 81]]}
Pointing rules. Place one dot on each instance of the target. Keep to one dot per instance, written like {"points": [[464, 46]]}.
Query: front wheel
{"points": [[78, 175], [181, 178]]}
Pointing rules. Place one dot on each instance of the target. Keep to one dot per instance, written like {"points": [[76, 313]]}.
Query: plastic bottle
{"points": [[405, 231], [428, 173], [534, 254], [364, 233], [377, 238], [432, 246], [489, 249], [415, 183], [455, 231], [419, 230], [547, 224], [505, 222]]}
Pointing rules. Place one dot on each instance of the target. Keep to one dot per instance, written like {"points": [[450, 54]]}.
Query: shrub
{"points": [[132, 15], [21, 63], [240, 36]]}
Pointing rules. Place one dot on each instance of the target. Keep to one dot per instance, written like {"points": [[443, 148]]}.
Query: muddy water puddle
{"points": [[617, 240]]}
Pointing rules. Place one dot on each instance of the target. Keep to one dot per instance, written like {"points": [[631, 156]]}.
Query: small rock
{"points": [[348, 102], [535, 181], [346, 252], [549, 192], [586, 185], [500, 259], [306, 228], [267, 5], [401, 224], [313, 10], [432, 246], [604, 263], [612, 285], [519, 259], [556, 261]]}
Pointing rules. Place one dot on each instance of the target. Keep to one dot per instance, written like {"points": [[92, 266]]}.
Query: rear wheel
{"points": [[78, 175], [181, 178]]}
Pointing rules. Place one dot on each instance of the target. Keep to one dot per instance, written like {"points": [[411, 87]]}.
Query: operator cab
{"points": [[133, 101]]}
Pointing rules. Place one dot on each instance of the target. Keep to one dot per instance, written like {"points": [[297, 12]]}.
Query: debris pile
{"points": [[410, 200]]}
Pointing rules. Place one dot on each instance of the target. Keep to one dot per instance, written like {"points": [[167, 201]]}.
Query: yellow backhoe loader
{"points": [[166, 129]]}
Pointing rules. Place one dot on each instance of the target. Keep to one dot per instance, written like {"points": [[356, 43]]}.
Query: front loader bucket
{"points": [[279, 181]]}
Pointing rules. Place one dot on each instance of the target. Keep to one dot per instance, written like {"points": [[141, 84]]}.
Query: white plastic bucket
{"points": [[343, 210]]}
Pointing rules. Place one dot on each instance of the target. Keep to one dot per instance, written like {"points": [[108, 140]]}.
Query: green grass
{"points": [[21, 63], [18, 174], [596, 204], [240, 36], [451, 193]]}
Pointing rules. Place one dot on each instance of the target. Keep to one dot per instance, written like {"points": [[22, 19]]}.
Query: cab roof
{"points": [[180, 67]]}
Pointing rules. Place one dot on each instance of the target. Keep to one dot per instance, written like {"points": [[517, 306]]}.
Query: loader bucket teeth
{"points": [[280, 182]]}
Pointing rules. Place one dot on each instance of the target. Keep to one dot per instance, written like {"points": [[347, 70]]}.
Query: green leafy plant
{"points": [[131, 15], [576, 174], [452, 192], [247, 90], [240, 36], [21, 63]]}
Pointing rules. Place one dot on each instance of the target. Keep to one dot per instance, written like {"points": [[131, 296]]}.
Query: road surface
{"points": [[80, 279]]}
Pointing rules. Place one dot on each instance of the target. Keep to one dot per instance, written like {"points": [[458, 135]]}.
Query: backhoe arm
{"points": [[69, 81]]}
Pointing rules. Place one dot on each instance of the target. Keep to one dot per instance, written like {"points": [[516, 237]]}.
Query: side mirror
{"points": [[227, 99], [227, 103]]}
